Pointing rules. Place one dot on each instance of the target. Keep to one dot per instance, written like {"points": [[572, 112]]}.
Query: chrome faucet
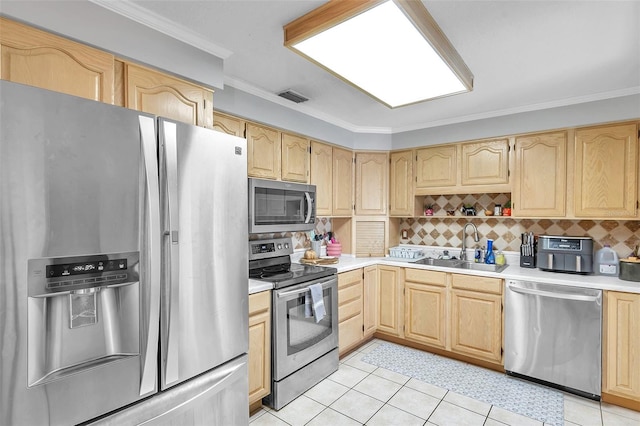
{"points": [[463, 252]]}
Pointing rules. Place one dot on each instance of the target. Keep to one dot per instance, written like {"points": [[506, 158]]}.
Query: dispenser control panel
{"points": [[77, 272]]}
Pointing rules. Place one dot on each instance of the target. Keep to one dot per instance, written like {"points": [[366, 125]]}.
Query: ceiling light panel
{"points": [[382, 52]]}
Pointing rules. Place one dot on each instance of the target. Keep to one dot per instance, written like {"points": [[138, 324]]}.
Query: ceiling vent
{"points": [[292, 96]]}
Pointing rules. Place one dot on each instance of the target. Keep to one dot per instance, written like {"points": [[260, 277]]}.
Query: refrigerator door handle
{"points": [[170, 142], [149, 155], [309, 207]]}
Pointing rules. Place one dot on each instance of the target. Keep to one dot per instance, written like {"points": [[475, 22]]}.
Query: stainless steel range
{"points": [[304, 331]]}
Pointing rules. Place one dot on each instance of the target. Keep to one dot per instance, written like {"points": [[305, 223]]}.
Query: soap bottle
{"points": [[490, 258]]}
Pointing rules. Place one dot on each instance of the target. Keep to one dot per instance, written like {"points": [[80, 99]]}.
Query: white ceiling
{"points": [[525, 55]]}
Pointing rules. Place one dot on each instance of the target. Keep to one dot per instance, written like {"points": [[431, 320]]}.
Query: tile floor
{"points": [[360, 393]]}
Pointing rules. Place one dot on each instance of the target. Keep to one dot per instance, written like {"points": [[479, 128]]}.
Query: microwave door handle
{"points": [[309, 207], [149, 151], [169, 135]]}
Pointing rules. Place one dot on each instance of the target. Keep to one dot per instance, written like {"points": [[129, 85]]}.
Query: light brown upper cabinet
{"points": [[160, 94], [436, 166], [485, 163], [322, 176], [401, 199], [342, 204], [263, 151], [606, 171], [372, 171], [540, 181], [37, 58], [228, 124], [295, 158]]}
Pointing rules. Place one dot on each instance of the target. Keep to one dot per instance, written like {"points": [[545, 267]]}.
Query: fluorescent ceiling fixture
{"points": [[392, 50]]}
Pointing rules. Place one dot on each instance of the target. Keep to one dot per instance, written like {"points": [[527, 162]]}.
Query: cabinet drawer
{"points": [[346, 279], [476, 283], [349, 309], [424, 276], [259, 302]]}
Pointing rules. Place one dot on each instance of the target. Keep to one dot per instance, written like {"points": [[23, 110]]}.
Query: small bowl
{"points": [[488, 212]]}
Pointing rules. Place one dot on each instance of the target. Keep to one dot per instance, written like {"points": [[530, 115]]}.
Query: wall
{"points": [[584, 114], [94, 25]]}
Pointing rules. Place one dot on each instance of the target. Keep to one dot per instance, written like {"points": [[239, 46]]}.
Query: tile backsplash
{"points": [[301, 240], [622, 236]]}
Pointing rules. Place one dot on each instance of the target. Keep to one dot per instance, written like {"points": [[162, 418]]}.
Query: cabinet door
{"points": [[425, 310], [476, 324], [350, 319], [40, 59], [401, 199], [228, 124], [166, 96], [295, 158], [436, 166], [370, 300], [322, 176], [371, 183], [621, 345], [606, 171], [485, 163], [390, 300], [259, 345], [540, 175], [342, 182], [263, 152]]}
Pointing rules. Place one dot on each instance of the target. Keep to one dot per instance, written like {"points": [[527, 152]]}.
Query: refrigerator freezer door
{"points": [[71, 185], [219, 397], [204, 315]]}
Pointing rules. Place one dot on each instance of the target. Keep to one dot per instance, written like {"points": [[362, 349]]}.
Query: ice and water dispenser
{"points": [[83, 311]]}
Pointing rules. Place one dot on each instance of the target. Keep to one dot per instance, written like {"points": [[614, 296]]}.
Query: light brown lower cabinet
{"points": [[621, 349], [425, 305], [350, 310], [370, 300], [476, 317], [259, 345], [390, 300]]}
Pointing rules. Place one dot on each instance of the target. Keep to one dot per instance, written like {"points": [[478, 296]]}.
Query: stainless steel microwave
{"points": [[277, 206]]}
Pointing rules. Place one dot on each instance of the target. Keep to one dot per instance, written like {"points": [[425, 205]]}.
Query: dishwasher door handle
{"points": [[554, 295]]}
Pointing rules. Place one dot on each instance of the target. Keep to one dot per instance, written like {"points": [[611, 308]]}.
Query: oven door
{"points": [[298, 339], [276, 206]]}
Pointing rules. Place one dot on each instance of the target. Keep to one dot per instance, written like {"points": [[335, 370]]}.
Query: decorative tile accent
{"points": [[512, 394]]}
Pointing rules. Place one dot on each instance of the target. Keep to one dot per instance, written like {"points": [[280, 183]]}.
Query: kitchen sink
{"points": [[481, 266], [461, 264], [451, 263]]}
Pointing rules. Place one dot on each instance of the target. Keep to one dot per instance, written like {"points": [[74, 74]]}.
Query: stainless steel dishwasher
{"points": [[553, 335]]}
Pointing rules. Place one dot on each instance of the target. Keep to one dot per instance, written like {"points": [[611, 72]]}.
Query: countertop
{"points": [[513, 271]]}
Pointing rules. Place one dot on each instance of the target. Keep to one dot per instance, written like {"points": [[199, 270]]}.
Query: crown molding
{"points": [[526, 108], [159, 23]]}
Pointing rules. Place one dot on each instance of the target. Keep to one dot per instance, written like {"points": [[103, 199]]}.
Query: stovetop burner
{"points": [[268, 262]]}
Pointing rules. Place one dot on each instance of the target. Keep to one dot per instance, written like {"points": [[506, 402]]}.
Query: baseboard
{"points": [[632, 404]]}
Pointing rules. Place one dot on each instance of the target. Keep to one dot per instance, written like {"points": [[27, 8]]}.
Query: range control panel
{"points": [[261, 249]]}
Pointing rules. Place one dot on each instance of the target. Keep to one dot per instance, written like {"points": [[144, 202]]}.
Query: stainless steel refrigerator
{"points": [[123, 266]]}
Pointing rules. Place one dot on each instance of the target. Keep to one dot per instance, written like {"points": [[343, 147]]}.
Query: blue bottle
{"points": [[490, 258]]}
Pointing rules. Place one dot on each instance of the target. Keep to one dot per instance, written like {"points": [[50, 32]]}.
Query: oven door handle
{"points": [[325, 284]]}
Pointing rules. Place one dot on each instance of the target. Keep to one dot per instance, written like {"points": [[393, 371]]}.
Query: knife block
{"points": [[528, 261]]}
